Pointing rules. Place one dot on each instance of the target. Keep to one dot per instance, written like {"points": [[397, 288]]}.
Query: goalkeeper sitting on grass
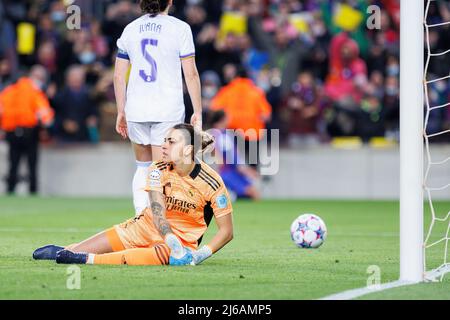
{"points": [[185, 193]]}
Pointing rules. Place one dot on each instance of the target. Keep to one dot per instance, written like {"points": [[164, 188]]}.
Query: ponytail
{"points": [[202, 142], [207, 142], [154, 7]]}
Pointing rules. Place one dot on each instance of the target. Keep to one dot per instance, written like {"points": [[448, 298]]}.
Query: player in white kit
{"points": [[158, 47]]}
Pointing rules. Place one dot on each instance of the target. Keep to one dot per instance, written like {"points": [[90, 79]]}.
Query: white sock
{"points": [[140, 197], [90, 259], [176, 248]]}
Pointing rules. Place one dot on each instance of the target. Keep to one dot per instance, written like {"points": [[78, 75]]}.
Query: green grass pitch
{"points": [[260, 263]]}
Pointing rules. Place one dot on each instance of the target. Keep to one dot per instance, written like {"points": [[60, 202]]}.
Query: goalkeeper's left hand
{"points": [[201, 255]]}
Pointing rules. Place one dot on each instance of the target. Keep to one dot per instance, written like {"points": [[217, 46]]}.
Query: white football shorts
{"points": [[149, 133]]}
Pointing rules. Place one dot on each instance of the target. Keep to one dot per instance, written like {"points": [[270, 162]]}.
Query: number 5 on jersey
{"points": [[154, 69]]}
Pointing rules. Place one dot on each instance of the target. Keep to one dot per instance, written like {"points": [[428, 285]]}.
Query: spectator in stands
{"points": [[391, 102], [46, 56], [301, 112], [24, 108], [6, 76], [247, 109], [392, 66], [227, 56], [105, 100], [99, 42], [210, 87], [46, 29], [11, 12], [286, 52], [316, 59], [117, 17], [205, 48], [238, 177], [376, 84], [377, 55], [370, 118], [348, 73], [345, 85], [390, 32], [195, 17], [66, 55], [76, 114]]}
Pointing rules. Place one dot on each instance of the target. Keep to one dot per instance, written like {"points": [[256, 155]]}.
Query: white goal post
{"points": [[415, 140], [411, 140]]}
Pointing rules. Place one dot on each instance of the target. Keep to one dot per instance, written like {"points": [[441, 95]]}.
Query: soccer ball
{"points": [[308, 231]]}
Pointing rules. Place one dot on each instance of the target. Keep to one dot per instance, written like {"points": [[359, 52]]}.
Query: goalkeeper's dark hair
{"points": [[201, 141], [154, 7]]}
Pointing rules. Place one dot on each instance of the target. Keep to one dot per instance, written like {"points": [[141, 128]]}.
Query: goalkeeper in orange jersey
{"points": [[185, 194]]}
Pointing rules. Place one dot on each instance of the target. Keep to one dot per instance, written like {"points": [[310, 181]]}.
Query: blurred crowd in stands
{"points": [[323, 72]]}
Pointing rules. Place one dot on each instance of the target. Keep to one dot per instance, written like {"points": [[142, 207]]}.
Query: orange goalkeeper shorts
{"points": [[139, 232]]}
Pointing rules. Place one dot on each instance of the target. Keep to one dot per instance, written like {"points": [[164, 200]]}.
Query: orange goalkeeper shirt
{"points": [[191, 201]]}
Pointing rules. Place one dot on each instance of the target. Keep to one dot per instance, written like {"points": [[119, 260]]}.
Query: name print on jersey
{"points": [[150, 27]]}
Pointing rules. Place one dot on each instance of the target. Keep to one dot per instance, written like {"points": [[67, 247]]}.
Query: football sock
{"points": [[140, 197], [90, 259], [156, 256]]}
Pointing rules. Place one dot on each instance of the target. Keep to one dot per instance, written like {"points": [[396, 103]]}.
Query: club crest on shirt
{"points": [[222, 201], [191, 192]]}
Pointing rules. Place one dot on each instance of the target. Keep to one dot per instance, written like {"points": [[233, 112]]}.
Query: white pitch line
{"points": [[356, 293]]}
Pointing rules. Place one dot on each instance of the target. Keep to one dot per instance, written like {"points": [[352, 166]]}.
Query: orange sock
{"points": [[155, 256]]}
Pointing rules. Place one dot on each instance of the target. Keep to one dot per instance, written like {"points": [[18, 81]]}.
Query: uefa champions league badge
{"points": [[222, 201], [155, 178]]}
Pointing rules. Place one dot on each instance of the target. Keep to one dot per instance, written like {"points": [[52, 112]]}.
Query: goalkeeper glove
{"points": [[201, 255]]}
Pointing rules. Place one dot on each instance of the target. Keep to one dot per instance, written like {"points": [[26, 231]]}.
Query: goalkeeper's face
{"points": [[175, 149]]}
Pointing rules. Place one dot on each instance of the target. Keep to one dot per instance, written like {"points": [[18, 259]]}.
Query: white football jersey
{"points": [[155, 47]]}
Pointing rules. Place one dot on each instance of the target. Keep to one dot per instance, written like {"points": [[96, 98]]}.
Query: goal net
{"points": [[437, 105]]}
